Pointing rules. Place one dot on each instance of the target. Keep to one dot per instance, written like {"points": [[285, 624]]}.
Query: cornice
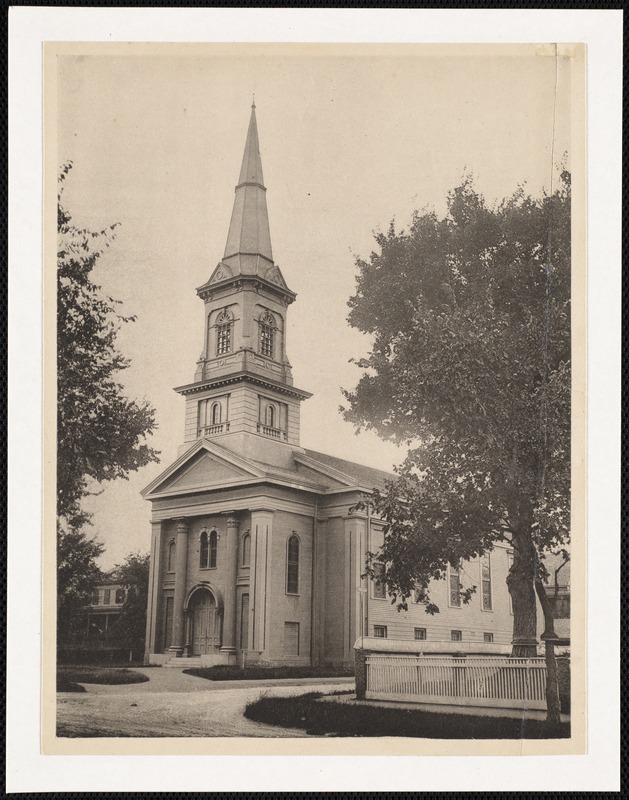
{"points": [[243, 376], [254, 282]]}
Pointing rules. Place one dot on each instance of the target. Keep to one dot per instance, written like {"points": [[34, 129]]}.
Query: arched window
{"points": [[246, 550], [379, 586], [204, 550], [292, 565], [170, 561], [213, 546], [216, 414], [454, 575], [223, 333], [269, 417], [267, 334]]}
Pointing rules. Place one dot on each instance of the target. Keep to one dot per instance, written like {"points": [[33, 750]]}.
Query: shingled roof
{"points": [[366, 477]]}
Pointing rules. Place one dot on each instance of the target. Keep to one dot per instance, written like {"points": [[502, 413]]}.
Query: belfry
{"points": [[257, 552]]}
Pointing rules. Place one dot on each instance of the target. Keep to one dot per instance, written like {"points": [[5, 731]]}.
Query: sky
{"points": [[350, 138]]}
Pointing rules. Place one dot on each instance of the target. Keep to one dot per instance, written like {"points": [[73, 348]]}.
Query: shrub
{"points": [[223, 672], [109, 677], [348, 719]]}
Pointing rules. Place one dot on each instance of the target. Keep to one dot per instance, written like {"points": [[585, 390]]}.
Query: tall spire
{"points": [[249, 233]]}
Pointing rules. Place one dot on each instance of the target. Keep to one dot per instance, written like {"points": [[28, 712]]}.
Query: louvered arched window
{"points": [[223, 333], [267, 335], [216, 414]]}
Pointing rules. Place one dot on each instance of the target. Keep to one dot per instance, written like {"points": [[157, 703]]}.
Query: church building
{"points": [[255, 550]]}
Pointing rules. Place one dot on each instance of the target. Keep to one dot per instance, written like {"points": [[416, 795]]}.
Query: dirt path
{"points": [[176, 705]]}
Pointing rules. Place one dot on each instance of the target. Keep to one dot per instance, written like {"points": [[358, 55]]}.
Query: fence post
{"points": [[360, 665]]}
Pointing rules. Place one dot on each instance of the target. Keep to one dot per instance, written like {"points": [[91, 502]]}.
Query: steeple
{"points": [[248, 249], [243, 387]]}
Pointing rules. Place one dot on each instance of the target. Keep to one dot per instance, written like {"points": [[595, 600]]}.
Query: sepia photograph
{"points": [[315, 325], [314, 400]]}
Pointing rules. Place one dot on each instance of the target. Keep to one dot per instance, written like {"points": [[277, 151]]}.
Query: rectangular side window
{"points": [[380, 631]]}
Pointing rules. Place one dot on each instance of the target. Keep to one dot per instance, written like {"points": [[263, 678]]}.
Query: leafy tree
{"points": [[470, 368], [77, 573], [100, 432], [129, 628]]}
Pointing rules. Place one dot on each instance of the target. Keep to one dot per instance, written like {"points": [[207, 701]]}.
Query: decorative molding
{"points": [[243, 376], [243, 282]]}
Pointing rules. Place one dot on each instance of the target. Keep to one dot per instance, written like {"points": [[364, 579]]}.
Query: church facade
{"points": [[256, 550]]}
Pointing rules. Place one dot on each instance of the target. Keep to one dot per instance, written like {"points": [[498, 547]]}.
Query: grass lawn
{"points": [[70, 678], [253, 673], [344, 719]]}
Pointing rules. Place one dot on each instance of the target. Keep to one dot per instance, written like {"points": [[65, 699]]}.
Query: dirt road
{"points": [[174, 704]]}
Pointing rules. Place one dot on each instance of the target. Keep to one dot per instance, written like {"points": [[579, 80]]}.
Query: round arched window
{"points": [[267, 335]]}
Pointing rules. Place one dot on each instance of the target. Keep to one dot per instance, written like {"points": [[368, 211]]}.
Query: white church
{"points": [[255, 550]]}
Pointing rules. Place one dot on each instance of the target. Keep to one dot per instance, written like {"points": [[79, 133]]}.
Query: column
{"points": [[187, 623], [181, 566], [231, 566]]}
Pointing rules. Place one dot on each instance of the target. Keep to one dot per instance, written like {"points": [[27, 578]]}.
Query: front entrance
{"points": [[205, 621]]}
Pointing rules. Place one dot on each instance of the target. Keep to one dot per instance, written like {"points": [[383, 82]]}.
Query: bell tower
{"points": [[243, 395]]}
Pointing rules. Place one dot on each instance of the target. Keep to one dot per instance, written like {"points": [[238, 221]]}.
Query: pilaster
{"points": [[152, 610], [261, 533]]}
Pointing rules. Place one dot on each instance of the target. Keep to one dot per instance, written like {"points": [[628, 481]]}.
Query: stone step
{"points": [[183, 663]]}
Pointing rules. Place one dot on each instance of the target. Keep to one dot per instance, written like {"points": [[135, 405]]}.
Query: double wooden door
{"points": [[205, 621]]}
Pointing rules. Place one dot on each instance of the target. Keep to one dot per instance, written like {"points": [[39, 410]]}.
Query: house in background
{"points": [[255, 548], [104, 608]]}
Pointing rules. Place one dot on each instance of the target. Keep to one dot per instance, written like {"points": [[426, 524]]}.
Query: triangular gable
{"points": [[204, 465], [273, 274], [221, 273], [309, 466]]}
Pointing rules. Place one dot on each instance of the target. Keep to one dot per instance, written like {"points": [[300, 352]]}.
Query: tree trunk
{"points": [[553, 705], [521, 584]]}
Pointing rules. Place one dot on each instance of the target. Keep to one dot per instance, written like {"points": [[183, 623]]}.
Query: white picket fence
{"points": [[491, 681]]}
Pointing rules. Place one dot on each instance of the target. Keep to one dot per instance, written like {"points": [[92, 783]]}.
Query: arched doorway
{"points": [[205, 623]]}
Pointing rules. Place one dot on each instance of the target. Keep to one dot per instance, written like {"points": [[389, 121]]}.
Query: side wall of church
{"points": [[480, 628]]}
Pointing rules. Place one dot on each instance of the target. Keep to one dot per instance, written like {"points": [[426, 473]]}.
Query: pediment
{"points": [[221, 273], [273, 274], [204, 466]]}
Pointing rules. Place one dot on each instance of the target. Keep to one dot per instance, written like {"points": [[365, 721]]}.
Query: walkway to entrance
{"points": [[172, 703]]}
